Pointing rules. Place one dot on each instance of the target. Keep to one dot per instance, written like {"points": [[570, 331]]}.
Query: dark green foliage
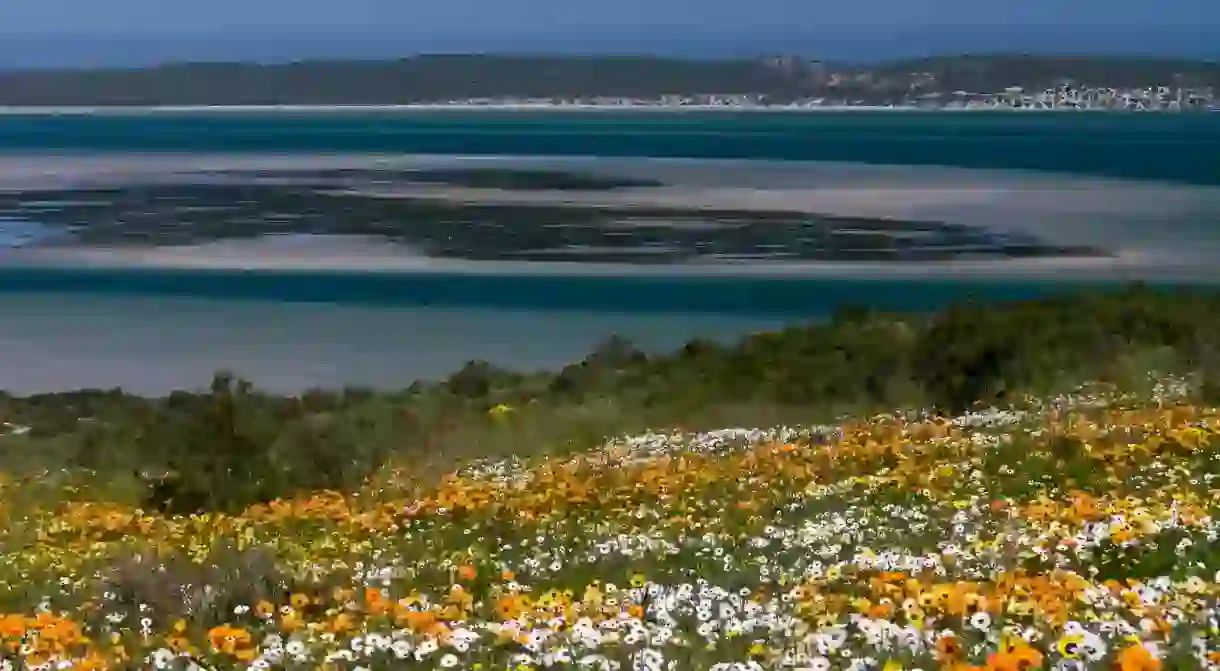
{"points": [[216, 447], [231, 445]]}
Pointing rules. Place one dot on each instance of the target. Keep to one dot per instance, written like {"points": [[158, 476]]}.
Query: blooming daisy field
{"points": [[1076, 532]]}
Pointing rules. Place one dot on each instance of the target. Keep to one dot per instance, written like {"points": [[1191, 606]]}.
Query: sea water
{"points": [[152, 330], [1173, 147]]}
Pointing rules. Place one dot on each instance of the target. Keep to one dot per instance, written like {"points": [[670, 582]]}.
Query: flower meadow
{"points": [[1079, 532]]}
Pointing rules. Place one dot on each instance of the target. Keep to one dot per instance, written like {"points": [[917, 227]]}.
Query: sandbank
{"points": [[1153, 229], [314, 254]]}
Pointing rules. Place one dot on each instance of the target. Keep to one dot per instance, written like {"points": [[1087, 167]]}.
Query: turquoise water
{"points": [[153, 344], [1180, 148], [152, 331], [795, 298]]}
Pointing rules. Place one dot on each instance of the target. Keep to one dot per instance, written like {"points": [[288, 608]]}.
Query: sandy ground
{"points": [[1154, 229]]}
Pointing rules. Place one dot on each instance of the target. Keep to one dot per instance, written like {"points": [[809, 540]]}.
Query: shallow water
{"points": [[1149, 146], [156, 330], [16, 233], [1058, 209]]}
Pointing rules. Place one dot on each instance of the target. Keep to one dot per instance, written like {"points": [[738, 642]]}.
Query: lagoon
{"points": [[292, 316]]}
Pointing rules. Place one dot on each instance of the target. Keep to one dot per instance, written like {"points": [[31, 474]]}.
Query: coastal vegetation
{"points": [[1020, 486], [230, 445]]}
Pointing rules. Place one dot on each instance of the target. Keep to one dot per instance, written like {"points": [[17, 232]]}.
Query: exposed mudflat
{"points": [[472, 214]]}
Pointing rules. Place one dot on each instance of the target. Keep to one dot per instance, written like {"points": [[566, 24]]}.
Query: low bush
{"points": [[230, 445]]}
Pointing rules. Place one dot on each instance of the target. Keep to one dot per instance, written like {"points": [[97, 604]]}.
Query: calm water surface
{"points": [[155, 332], [49, 342]]}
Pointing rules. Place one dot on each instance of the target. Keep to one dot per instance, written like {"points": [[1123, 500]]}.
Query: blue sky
{"points": [[93, 32], [178, 16]]}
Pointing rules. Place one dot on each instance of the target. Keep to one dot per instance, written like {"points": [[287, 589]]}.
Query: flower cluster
{"points": [[1074, 533]]}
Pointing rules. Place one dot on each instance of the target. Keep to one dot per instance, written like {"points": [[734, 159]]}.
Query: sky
{"points": [[58, 32]]}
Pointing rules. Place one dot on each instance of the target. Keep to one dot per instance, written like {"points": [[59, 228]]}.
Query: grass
{"points": [[1055, 533]]}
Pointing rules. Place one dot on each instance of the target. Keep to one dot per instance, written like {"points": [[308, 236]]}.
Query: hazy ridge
{"points": [[433, 78]]}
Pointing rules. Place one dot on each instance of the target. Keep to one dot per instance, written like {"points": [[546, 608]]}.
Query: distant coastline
{"points": [[543, 82], [135, 110]]}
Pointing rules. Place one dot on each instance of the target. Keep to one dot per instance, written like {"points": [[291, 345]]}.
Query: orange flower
{"points": [[91, 662], [12, 626], [467, 572], [217, 637], [376, 602], [291, 621], [342, 622], [423, 622], [881, 610], [232, 641], [1027, 657], [947, 648], [509, 607], [1001, 661], [1137, 658], [1017, 656]]}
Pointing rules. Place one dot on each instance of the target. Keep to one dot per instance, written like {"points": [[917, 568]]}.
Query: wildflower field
{"points": [[1075, 532]]}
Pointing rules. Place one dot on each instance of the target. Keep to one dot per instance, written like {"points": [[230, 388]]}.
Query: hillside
{"points": [[231, 445], [467, 77], [1068, 529]]}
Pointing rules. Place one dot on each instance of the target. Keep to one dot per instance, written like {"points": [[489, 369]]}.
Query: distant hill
{"points": [[464, 77], [995, 72]]}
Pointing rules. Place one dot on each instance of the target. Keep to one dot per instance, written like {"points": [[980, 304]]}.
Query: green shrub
{"points": [[230, 445]]}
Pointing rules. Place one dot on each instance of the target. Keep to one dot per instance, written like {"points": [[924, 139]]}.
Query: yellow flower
{"points": [[1069, 646]]}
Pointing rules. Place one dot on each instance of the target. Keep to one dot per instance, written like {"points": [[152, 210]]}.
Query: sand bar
{"points": [[312, 254], [1154, 229]]}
